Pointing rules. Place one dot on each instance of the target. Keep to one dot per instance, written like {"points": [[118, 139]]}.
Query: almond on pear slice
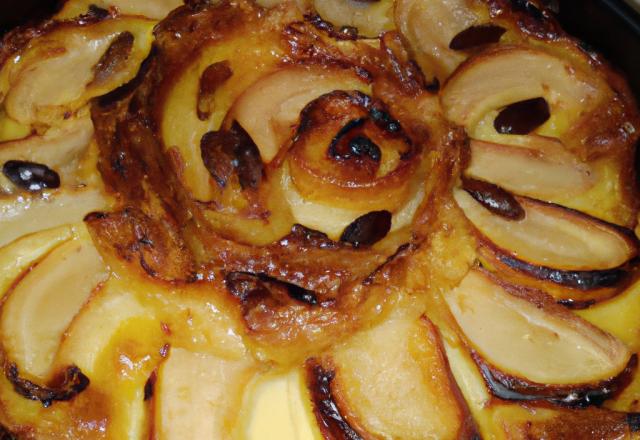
{"points": [[551, 236], [57, 148], [393, 381], [270, 109], [333, 220], [484, 84], [41, 306], [198, 396], [249, 55], [58, 73], [541, 170], [532, 338], [573, 289], [429, 26]]}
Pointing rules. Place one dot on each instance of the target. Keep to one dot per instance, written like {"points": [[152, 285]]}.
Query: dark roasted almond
{"points": [[475, 36], [368, 229], [30, 176], [494, 198], [522, 117]]}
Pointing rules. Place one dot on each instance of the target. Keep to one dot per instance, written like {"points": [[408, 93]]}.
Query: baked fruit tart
{"points": [[330, 219]]}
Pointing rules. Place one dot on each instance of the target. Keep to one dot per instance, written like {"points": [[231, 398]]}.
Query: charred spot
{"points": [[475, 36], [361, 146], [157, 244], [5, 434], [384, 120], [552, 6], [70, 383], [434, 86], [126, 90], [354, 144], [251, 289], [344, 33], [522, 117], [633, 420], [333, 146], [357, 146], [98, 12], [212, 78], [95, 216], [528, 8], [575, 304], [30, 176], [334, 425], [575, 279], [494, 198], [311, 237], [149, 386], [507, 387], [406, 71], [114, 59], [367, 229], [225, 153]]}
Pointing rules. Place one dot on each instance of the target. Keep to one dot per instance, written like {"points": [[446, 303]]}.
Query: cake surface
{"points": [[328, 219]]}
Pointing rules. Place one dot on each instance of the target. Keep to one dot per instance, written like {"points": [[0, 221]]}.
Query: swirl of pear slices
{"points": [[328, 219]]}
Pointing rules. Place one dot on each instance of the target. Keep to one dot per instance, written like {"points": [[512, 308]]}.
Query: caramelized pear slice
{"points": [[531, 337], [198, 396], [551, 236], [156, 9], [393, 381], [494, 79], [429, 26], [332, 220], [270, 109], [369, 17], [53, 75], [573, 289], [541, 170], [40, 308], [252, 52]]}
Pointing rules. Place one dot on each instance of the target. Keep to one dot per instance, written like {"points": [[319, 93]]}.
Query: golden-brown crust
{"points": [[293, 292]]}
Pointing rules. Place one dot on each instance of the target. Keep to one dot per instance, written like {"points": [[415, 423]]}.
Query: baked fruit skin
{"points": [[325, 219]]}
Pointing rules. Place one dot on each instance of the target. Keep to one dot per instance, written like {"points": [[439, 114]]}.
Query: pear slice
{"points": [[57, 148], [23, 215], [10, 130], [20, 255], [532, 338], [551, 236], [490, 81], [370, 18], [541, 170], [270, 109], [251, 55], [429, 26], [393, 381], [332, 220], [53, 75], [40, 308], [573, 289], [157, 9], [199, 396], [279, 407]]}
